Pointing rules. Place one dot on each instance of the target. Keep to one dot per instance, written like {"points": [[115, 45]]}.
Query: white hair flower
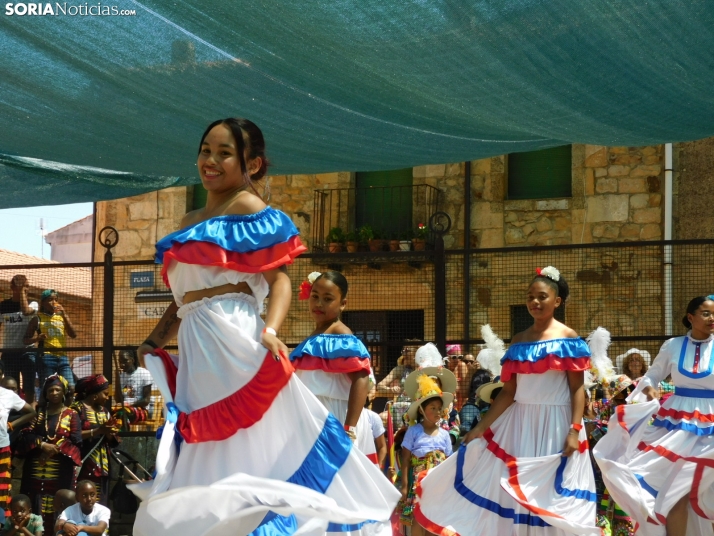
{"points": [[313, 277], [550, 272]]}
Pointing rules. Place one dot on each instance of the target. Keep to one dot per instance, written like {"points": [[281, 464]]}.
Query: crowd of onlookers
{"points": [[476, 388], [55, 425]]}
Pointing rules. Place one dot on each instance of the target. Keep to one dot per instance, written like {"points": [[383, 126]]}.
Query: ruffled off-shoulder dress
{"points": [[654, 455], [247, 448], [322, 363], [514, 480]]}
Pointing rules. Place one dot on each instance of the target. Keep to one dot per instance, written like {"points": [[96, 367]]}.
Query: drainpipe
{"points": [[668, 303]]}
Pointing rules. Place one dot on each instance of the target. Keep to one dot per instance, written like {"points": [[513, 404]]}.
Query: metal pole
{"points": [[467, 250], [440, 223], [108, 237]]}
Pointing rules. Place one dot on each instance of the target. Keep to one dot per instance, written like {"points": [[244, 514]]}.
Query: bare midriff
{"points": [[229, 288]]}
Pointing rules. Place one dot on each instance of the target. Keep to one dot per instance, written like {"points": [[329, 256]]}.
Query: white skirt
{"points": [[647, 469], [293, 443], [514, 481]]}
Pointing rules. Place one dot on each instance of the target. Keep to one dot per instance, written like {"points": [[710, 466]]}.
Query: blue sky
{"points": [[20, 227]]}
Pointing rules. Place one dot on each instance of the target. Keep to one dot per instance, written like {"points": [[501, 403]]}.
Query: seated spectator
{"points": [[16, 314], [470, 413], [64, 498], [135, 383], [50, 329], [454, 363], [21, 521], [86, 517]]}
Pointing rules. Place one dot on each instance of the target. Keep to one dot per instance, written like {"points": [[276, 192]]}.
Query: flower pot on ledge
{"points": [[405, 245], [419, 244], [352, 247], [376, 244], [394, 245], [335, 247]]}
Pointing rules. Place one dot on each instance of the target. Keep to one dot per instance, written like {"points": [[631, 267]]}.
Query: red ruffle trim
{"points": [[688, 415], [240, 410], [209, 254], [549, 362], [338, 365]]}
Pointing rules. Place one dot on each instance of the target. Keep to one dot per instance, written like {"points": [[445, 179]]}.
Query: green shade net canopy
{"points": [[97, 107]]}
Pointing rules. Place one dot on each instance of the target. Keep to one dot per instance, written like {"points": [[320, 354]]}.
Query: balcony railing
{"points": [[390, 212]]}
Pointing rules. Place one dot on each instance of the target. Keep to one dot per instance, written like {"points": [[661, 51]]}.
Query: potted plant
{"points": [[419, 239], [366, 236], [405, 244], [335, 239], [394, 244], [352, 242]]}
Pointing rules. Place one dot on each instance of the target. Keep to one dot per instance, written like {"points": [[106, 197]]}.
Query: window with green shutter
{"points": [[540, 174], [384, 201]]}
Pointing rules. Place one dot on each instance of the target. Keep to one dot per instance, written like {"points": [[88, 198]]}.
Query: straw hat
{"points": [[620, 359], [430, 362], [426, 388], [485, 391]]}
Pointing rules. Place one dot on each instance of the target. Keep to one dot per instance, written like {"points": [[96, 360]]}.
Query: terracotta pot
{"points": [[405, 245], [394, 245], [352, 247], [419, 244], [335, 247], [375, 244]]}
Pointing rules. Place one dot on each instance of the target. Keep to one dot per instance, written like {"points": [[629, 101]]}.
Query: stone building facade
{"points": [[617, 196]]}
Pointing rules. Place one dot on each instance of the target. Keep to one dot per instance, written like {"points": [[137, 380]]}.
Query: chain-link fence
{"points": [[393, 298]]}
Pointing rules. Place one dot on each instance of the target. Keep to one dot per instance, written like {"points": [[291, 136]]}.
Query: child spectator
{"points": [[86, 517], [380, 443], [21, 521], [425, 443]]}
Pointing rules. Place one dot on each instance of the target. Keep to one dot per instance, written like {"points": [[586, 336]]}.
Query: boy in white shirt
{"points": [[86, 517]]}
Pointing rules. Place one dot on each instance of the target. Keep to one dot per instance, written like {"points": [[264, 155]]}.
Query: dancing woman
{"points": [[332, 362], [661, 471], [524, 468], [246, 446]]}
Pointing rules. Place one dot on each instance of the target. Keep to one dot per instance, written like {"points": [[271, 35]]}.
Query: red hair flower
{"points": [[538, 271], [305, 289]]}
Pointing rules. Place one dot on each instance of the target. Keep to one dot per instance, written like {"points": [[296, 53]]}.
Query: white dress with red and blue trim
{"points": [[514, 480], [648, 464], [247, 448], [322, 363]]}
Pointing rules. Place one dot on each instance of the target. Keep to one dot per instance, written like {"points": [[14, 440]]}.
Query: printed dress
{"points": [[513, 480], [322, 363], [247, 448], [42, 477], [648, 463]]}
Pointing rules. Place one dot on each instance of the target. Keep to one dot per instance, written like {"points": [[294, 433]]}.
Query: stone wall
{"points": [[693, 183]]}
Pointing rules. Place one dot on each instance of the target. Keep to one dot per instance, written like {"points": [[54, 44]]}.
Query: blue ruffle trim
{"points": [[535, 351], [329, 346], [239, 233]]}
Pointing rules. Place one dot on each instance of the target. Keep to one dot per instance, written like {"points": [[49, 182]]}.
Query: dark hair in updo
{"points": [[240, 127], [692, 308], [561, 286], [337, 278]]}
